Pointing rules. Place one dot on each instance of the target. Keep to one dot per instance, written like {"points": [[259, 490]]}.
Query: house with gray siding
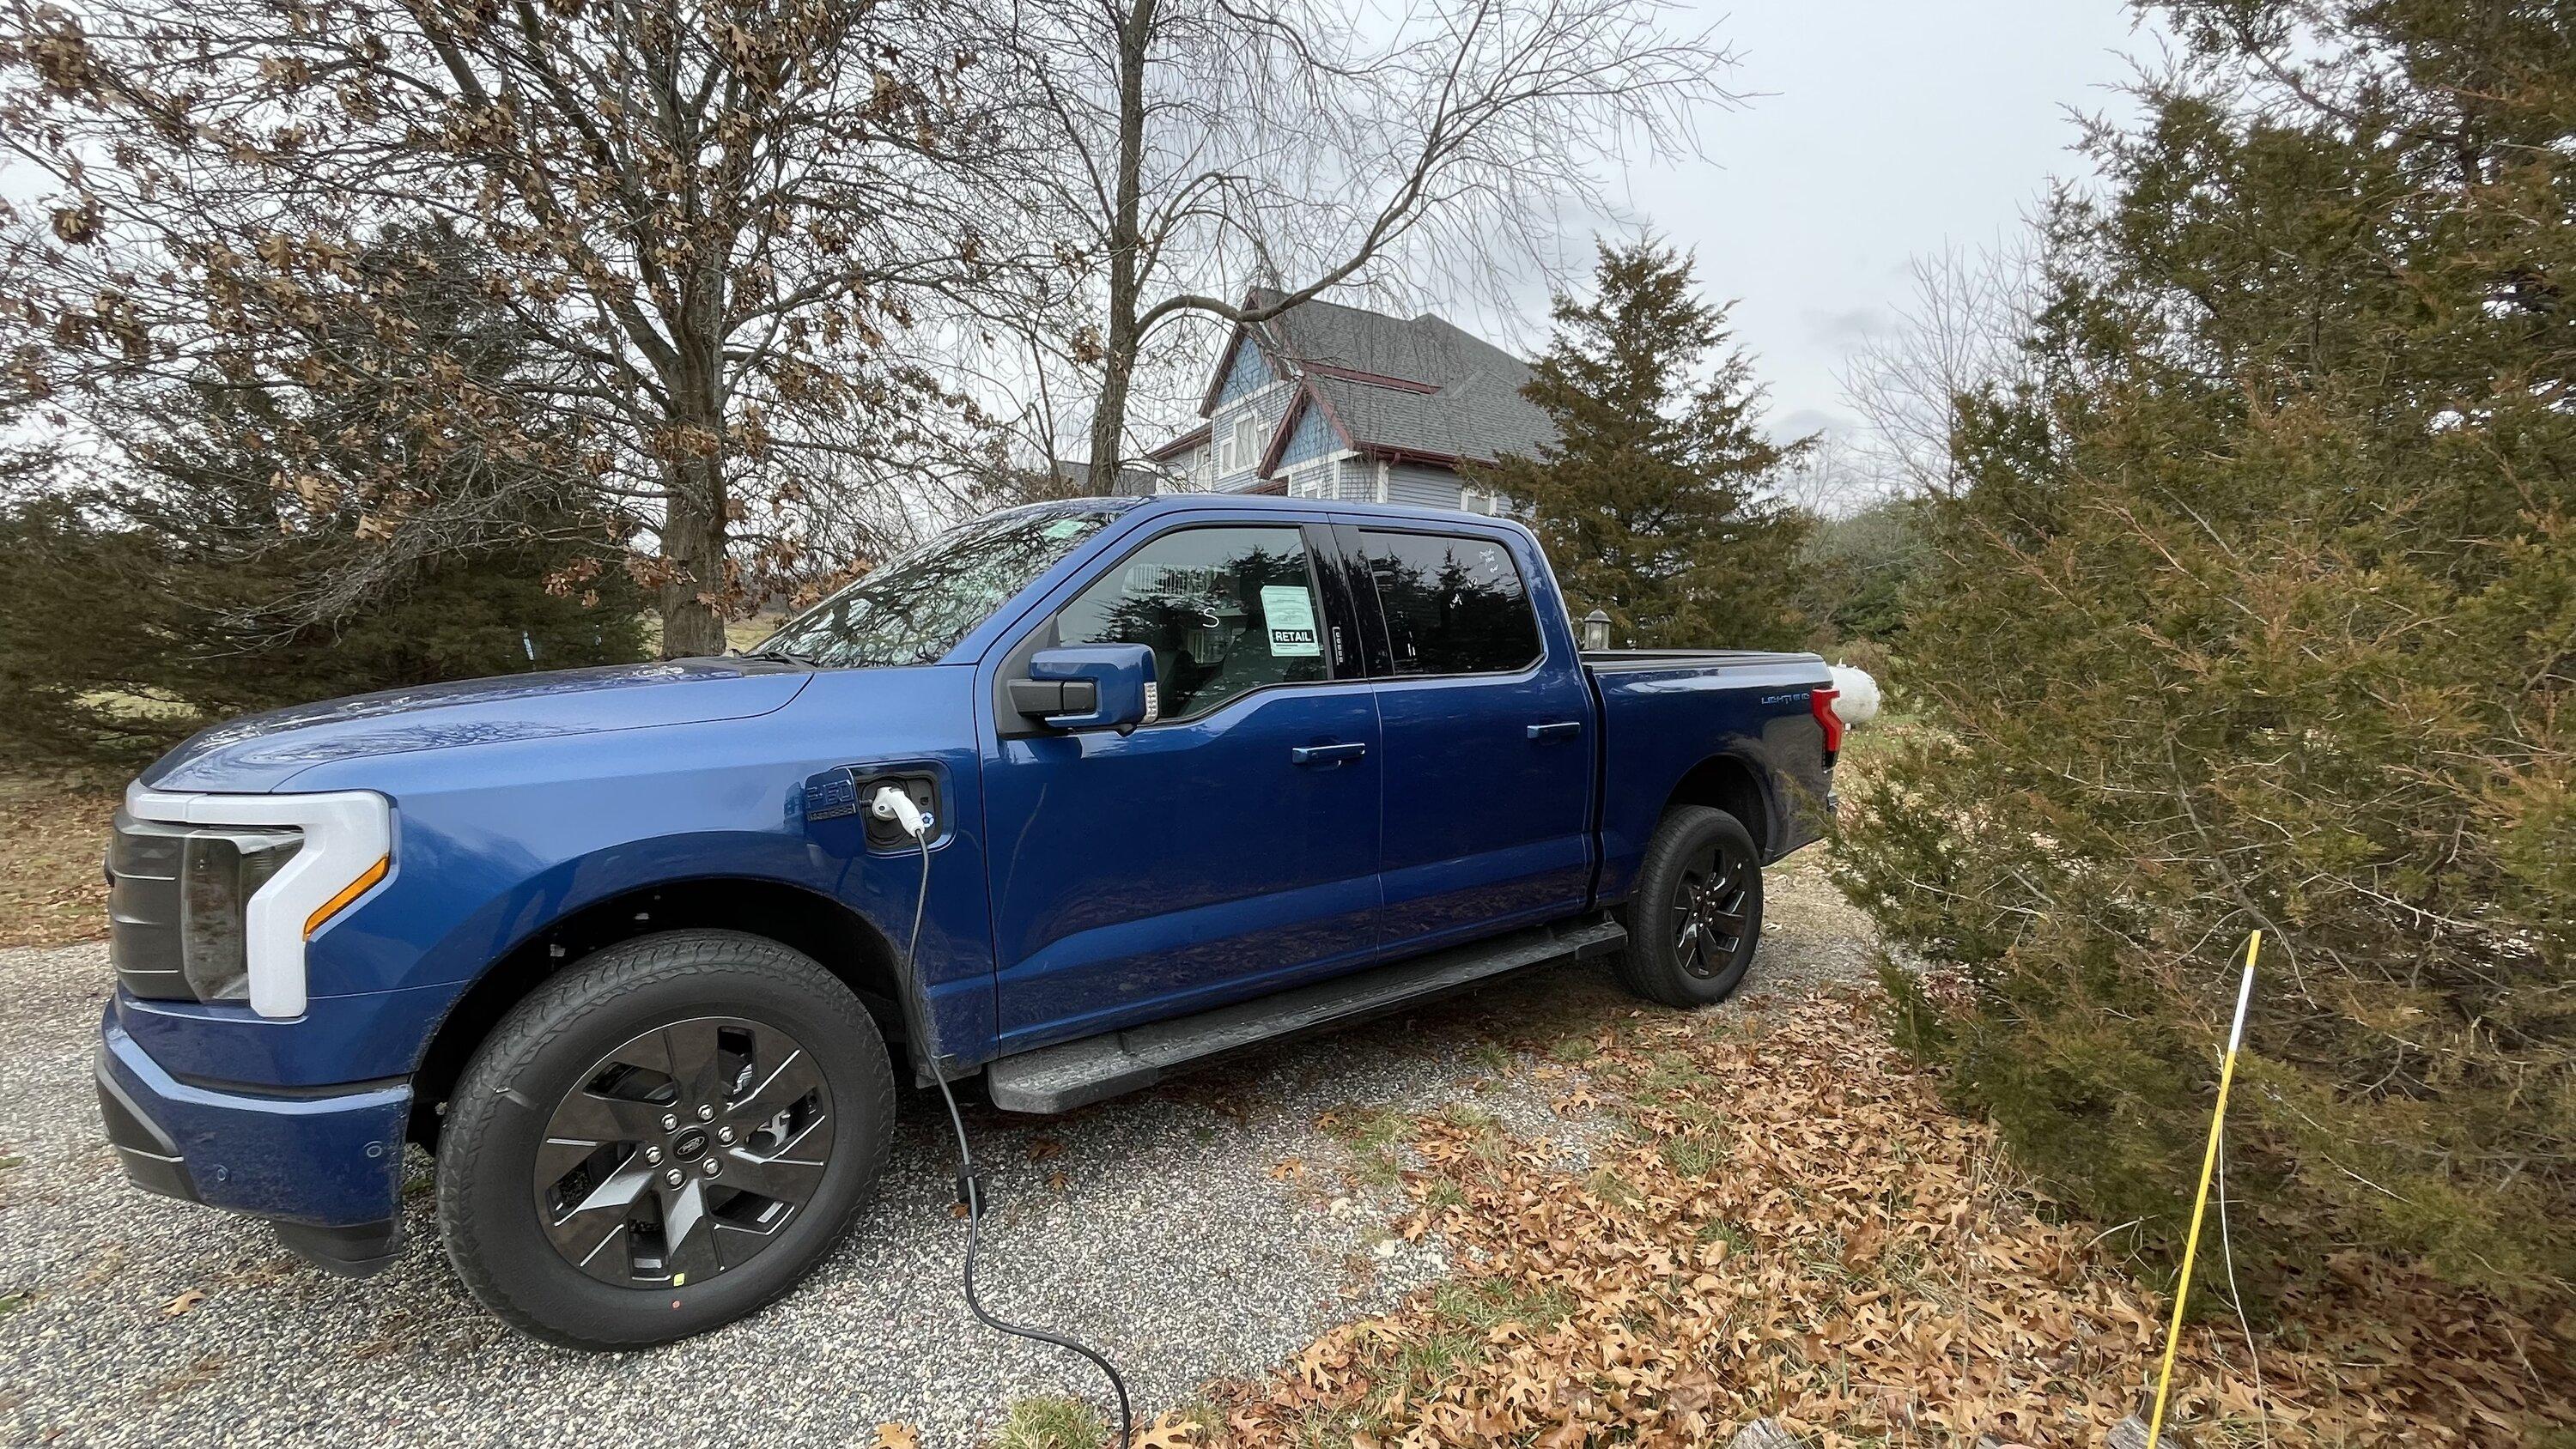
{"points": [[1327, 401]]}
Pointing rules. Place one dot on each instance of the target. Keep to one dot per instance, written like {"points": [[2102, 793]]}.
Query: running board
{"points": [[1078, 1073]]}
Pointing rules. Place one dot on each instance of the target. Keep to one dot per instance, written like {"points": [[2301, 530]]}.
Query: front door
{"points": [[1228, 848]]}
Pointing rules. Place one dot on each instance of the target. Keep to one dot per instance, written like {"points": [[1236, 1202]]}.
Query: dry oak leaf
{"points": [[184, 1302], [1172, 1430], [897, 1436]]}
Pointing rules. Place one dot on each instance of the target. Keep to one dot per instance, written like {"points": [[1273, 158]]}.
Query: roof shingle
{"points": [[1422, 386]]}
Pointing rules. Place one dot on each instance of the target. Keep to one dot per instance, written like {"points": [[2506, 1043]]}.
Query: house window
{"points": [[1475, 500], [1247, 444]]}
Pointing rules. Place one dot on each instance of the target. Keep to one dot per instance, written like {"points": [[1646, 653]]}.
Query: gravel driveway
{"points": [[1162, 1226]]}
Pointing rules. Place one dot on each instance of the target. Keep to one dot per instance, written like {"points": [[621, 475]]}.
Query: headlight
{"points": [[178, 899], [212, 897]]}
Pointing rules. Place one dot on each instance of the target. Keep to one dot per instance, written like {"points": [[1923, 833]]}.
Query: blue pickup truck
{"points": [[631, 950]]}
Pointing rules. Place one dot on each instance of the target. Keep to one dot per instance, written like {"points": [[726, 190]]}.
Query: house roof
{"points": [[1183, 443], [1413, 387]]}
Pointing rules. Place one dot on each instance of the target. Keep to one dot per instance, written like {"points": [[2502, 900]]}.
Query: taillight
{"points": [[1821, 701]]}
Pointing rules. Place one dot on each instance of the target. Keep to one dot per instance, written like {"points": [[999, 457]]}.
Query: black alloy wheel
{"points": [[683, 1153], [1694, 916], [668, 1135], [1711, 903]]}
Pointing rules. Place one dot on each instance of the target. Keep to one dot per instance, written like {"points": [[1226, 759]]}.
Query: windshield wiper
{"points": [[785, 656]]}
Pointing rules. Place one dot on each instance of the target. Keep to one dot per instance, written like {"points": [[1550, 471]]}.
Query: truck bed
{"points": [[1666, 712], [1601, 659]]}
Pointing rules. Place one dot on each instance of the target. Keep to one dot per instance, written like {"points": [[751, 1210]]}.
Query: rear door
{"points": [[1488, 771], [1227, 849]]}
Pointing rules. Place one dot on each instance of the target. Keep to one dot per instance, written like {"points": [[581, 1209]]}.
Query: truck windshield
{"points": [[918, 604]]}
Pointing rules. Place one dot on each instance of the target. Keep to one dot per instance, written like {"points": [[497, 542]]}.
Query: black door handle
{"points": [[1311, 755], [1564, 729]]}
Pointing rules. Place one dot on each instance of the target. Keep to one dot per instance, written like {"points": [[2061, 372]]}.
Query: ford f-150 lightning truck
{"points": [[631, 949]]}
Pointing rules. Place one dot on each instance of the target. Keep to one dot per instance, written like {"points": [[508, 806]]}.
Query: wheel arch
{"points": [[841, 940], [1736, 785]]}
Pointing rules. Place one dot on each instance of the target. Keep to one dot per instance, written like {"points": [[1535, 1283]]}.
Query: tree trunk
{"points": [[1109, 415], [693, 542]]}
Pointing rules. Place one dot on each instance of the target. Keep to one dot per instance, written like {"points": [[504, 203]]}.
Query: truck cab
{"points": [[641, 952]]}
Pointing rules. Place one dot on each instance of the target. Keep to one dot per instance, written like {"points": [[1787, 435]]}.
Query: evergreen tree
{"points": [[2259, 610], [1651, 501], [176, 584]]}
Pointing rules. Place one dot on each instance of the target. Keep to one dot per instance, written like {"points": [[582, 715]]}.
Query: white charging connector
{"points": [[890, 803]]}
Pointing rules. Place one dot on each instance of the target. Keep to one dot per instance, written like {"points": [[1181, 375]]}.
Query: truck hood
{"points": [[259, 752]]}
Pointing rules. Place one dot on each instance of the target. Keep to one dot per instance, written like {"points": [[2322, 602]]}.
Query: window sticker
{"points": [[1291, 612]]}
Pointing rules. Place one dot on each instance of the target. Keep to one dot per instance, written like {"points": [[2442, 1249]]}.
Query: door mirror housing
{"points": [[1088, 687]]}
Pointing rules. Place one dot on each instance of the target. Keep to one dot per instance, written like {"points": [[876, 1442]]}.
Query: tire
{"points": [[607, 1064], [1694, 849]]}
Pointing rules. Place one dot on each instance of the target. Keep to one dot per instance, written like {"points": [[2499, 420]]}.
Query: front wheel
{"points": [[1696, 915], [665, 1138]]}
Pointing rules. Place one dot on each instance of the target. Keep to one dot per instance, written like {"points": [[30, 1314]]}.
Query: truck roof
{"points": [[1409, 513]]}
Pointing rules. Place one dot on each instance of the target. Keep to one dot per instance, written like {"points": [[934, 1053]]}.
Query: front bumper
{"points": [[325, 1166]]}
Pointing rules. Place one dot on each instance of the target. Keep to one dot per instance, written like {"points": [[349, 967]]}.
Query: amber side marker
{"points": [[348, 893]]}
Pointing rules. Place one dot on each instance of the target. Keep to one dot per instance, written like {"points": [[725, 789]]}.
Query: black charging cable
{"points": [[970, 1184]]}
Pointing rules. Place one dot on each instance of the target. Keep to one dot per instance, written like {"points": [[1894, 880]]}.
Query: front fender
{"points": [[495, 844]]}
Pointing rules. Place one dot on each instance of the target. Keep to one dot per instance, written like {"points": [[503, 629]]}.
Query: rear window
{"points": [[1453, 604]]}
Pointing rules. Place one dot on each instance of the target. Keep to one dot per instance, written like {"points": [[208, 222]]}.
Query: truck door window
{"points": [[1454, 604], [1225, 610]]}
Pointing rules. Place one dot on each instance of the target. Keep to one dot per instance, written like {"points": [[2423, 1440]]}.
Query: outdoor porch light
{"points": [[1596, 630]]}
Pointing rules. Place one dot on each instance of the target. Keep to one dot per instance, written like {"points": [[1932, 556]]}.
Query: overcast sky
{"points": [[1883, 129]]}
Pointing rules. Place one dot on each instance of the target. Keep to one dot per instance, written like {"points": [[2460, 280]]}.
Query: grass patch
{"points": [[1047, 1423], [1573, 1051], [1486, 1304], [1375, 1138], [1613, 1189], [1692, 1156], [1378, 1169], [1366, 1129], [1718, 1230], [1468, 1117]]}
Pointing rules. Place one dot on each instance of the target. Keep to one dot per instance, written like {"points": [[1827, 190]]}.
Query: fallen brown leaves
{"points": [[1794, 1226], [53, 846]]}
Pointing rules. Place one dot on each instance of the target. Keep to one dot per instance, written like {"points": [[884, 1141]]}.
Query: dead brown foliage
{"points": [[1792, 1225], [53, 843]]}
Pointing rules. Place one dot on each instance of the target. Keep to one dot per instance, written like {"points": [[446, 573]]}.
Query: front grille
{"points": [[144, 927]]}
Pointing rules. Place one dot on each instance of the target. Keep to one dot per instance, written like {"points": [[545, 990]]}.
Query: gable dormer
{"points": [[1246, 372]]}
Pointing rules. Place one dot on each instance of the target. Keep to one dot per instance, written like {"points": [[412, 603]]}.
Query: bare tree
{"points": [[711, 220], [1961, 331], [1190, 149]]}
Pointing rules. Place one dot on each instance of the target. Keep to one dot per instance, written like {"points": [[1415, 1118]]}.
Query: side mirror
{"points": [[1088, 687]]}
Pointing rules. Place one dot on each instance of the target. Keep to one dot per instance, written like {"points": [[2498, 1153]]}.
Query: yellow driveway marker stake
{"points": [[2200, 1203]]}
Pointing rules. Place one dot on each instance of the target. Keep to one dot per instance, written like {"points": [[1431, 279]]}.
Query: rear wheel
{"points": [[1696, 915], [662, 1140]]}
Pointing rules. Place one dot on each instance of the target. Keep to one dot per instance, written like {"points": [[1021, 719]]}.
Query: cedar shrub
{"points": [[1655, 501], [2259, 609]]}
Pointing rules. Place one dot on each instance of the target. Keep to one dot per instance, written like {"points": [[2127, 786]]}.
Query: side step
{"points": [[1078, 1073]]}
